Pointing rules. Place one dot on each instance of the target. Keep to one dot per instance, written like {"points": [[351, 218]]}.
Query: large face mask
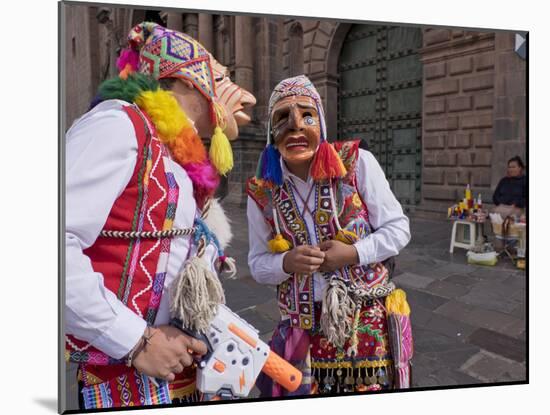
{"points": [[296, 128], [233, 99]]}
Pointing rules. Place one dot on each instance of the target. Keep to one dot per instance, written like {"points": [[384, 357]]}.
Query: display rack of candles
{"points": [[468, 208]]}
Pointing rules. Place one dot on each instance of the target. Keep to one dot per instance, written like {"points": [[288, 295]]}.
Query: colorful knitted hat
{"points": [[164, 53], [297, 86], [326, 163]]}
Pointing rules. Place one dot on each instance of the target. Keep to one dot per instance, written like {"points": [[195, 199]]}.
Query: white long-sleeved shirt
{"points": [[390, 225], [101, 152]]}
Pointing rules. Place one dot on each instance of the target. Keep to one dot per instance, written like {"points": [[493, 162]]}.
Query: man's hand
{"points": [[303, 259], [338, 255], [168, 353]]}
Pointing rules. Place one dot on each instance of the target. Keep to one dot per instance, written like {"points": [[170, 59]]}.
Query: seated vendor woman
{"points": [[510, 195]]}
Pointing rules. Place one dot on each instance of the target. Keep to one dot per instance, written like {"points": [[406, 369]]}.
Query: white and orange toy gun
{"points": [[235, 358]]}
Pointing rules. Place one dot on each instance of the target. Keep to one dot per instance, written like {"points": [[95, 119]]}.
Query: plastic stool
{"points": [[458, 236]]}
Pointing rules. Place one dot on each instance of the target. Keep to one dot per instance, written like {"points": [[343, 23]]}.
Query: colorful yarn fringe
{"points": [[327, 163], [269, 166], [165, 112], [127, 89], [130, 57], [174, 130], [205, 180]]}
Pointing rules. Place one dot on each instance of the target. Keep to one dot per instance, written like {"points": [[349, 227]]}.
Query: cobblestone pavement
{"points": [[468, 321]]}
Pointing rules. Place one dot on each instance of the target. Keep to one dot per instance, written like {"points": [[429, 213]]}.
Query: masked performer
{"points": [[321, 219], [141, 225]]}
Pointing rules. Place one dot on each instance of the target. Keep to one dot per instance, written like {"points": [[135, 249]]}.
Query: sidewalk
{"points": [[468, 321]]}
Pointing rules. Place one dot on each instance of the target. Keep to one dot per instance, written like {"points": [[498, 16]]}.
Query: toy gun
{"points": [[235, 358]]}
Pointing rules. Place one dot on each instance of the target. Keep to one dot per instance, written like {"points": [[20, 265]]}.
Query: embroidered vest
{"points": [[295, 295], [133, 269]]}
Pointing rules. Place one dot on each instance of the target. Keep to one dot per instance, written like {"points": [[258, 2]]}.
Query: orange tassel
{"points": [[327, 163], [188, 147]]}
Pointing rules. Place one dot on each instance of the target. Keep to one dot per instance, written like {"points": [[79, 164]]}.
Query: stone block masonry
{"points": [[458, 102], [509, 123]]}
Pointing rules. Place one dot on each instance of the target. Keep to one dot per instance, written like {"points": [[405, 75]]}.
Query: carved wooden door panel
{"points": [[380, 101]]}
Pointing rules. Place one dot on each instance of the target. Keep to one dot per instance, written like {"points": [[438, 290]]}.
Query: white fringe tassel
{"points": [[195, 295], [229, 268], [337, 313]]}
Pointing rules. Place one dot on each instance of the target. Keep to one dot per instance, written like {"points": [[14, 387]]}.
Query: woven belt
{"points": [[374, 292], [170, 233]]}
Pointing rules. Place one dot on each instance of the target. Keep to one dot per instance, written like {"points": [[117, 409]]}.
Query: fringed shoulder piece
{"points": [[259, 191]]}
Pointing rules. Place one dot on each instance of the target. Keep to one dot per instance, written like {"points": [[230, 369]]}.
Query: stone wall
{"points": [[474, 115], [80, 67], [93, 37], [320, 62], [510, 116], [458, 101]]}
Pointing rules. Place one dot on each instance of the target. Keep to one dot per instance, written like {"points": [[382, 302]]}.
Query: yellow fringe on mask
{"points": [[347, 237], [278, 244], [396, 303], [221, 154], [165, 113]]}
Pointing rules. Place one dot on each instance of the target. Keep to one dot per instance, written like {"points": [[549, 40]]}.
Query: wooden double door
{"points": [[380, 101]]}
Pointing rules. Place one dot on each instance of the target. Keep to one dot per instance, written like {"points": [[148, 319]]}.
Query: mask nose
{"points": [[247, 99], [295, 121]]}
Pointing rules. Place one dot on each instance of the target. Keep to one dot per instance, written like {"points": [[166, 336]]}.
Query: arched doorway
{"points": [[380, 101]]}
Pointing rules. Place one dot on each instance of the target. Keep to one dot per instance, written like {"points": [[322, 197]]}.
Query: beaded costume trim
{"points": [[317, 364]]}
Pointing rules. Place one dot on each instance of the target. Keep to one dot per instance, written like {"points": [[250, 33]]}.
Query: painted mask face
{"points": [[234, 99], [296, 128]]}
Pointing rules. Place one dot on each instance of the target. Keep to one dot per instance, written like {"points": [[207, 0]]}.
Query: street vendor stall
{"points": [[468, 219]]}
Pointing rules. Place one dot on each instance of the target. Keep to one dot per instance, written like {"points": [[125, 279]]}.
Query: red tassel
{"points": [[327, 163]]}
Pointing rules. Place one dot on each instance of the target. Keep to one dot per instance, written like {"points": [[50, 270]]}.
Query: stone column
{"points": [[206, 31], [173, 20], [244, 50], [191, 24]]}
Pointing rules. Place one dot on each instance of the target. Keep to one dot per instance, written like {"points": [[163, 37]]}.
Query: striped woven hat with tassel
{"points": [[326, 164], [164, 53]]}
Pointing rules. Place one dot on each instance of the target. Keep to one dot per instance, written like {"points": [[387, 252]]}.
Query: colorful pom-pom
{"points": [[127, 89], [220, 152], [126, 72], [271, 166], [188, 147], [347, 237], [278, 244], [165, 112], [396, 303], [205, 180], [130, 57], [260, 168], [327, 163]]}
